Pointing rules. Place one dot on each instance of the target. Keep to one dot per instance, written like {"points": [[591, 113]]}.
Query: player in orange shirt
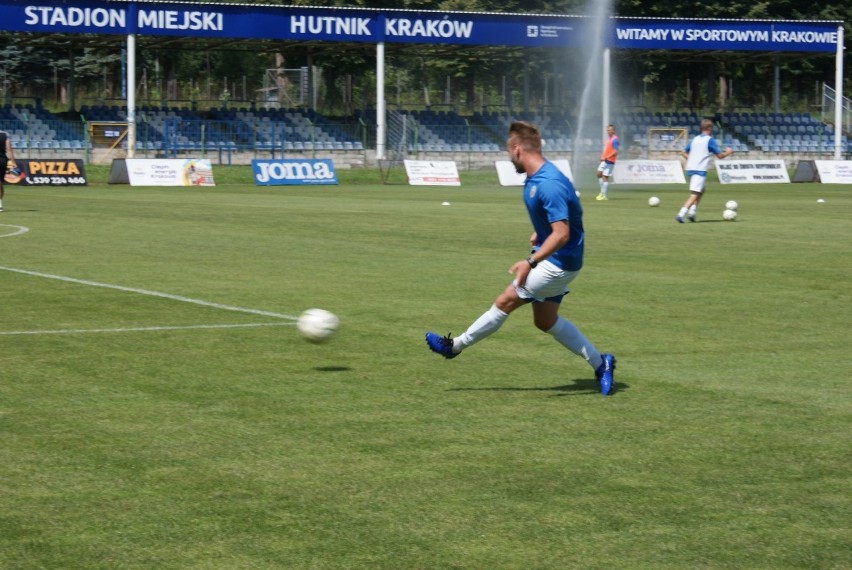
{"points": [[610, 152]]}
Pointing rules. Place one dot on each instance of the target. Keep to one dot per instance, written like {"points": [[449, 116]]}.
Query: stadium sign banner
{"points": [[752, 172], [403, 26], [287, 23], [728, 35], [648, 172], [54, 172], [169, 172], [507, 175], [432, 172], [834, 171], [293, 172]]}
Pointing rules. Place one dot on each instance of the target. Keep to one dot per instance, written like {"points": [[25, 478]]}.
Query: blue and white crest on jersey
{"points": [[532, 190]]}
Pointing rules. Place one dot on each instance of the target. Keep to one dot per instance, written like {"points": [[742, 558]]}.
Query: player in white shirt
{"points": [[697, 155]]}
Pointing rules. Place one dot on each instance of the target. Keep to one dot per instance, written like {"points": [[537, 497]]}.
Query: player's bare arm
{"points": [[558, 237]]}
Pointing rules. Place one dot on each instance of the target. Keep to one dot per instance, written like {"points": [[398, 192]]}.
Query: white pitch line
{"points": [[144, 329], [150, 293], [19, 231]]}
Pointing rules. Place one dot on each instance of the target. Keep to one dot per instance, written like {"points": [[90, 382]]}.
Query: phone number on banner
{"points": [[55, 180]]}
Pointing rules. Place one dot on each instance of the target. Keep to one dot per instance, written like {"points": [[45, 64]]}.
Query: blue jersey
{"points": [[550, 197]]}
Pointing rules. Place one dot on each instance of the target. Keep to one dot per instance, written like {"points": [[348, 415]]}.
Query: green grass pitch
{"points": [[159, 410]]}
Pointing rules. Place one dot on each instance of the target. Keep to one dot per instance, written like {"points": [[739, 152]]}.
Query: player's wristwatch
{"points": [[532, 262]]}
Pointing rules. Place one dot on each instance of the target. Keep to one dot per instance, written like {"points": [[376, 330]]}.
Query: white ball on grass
{"points": [[653, 201], [317, 325], [729, 215], [731, 205]]}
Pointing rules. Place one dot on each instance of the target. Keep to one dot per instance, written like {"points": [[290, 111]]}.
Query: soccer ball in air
{"points": [[731, 205], [317, 325], [653, 201], [729, 215]]}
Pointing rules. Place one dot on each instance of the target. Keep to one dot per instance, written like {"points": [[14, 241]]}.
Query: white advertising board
{"points": [[752, 171], [169, 172], [834, 171], [508, 176], [432, 173], [648, 172]]}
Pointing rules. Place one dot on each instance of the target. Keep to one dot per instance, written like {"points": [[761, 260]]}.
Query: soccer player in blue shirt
{"points": [[556, 259], [697, 155]]}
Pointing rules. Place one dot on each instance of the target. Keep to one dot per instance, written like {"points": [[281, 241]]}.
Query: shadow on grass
{"points": [[579, 387], [331, 368]]}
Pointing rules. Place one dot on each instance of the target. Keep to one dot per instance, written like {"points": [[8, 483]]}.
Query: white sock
{"points": [[604, 187], [1, 203], [487, 324], [693, 209], [600, 184], [682, 213], [569, 336]]}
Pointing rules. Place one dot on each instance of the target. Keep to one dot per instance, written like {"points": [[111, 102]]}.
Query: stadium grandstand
{"points": [[239, 134]]}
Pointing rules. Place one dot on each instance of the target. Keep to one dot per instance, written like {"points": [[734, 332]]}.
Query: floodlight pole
{"points": [[381, 134], [131, 81], [838, 95], [606, 88], [131, 95]]}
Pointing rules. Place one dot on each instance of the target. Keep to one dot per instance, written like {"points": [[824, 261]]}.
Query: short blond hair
{"points": [[706, 124], [526, 135]]}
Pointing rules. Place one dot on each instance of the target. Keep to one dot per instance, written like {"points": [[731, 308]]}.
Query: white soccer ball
{"points": [[653, 201], [729, 215], [317, 325], [731, 205]]}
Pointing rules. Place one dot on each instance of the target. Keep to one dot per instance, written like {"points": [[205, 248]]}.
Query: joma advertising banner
{"points": [[648, 172], [288, 171]]}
